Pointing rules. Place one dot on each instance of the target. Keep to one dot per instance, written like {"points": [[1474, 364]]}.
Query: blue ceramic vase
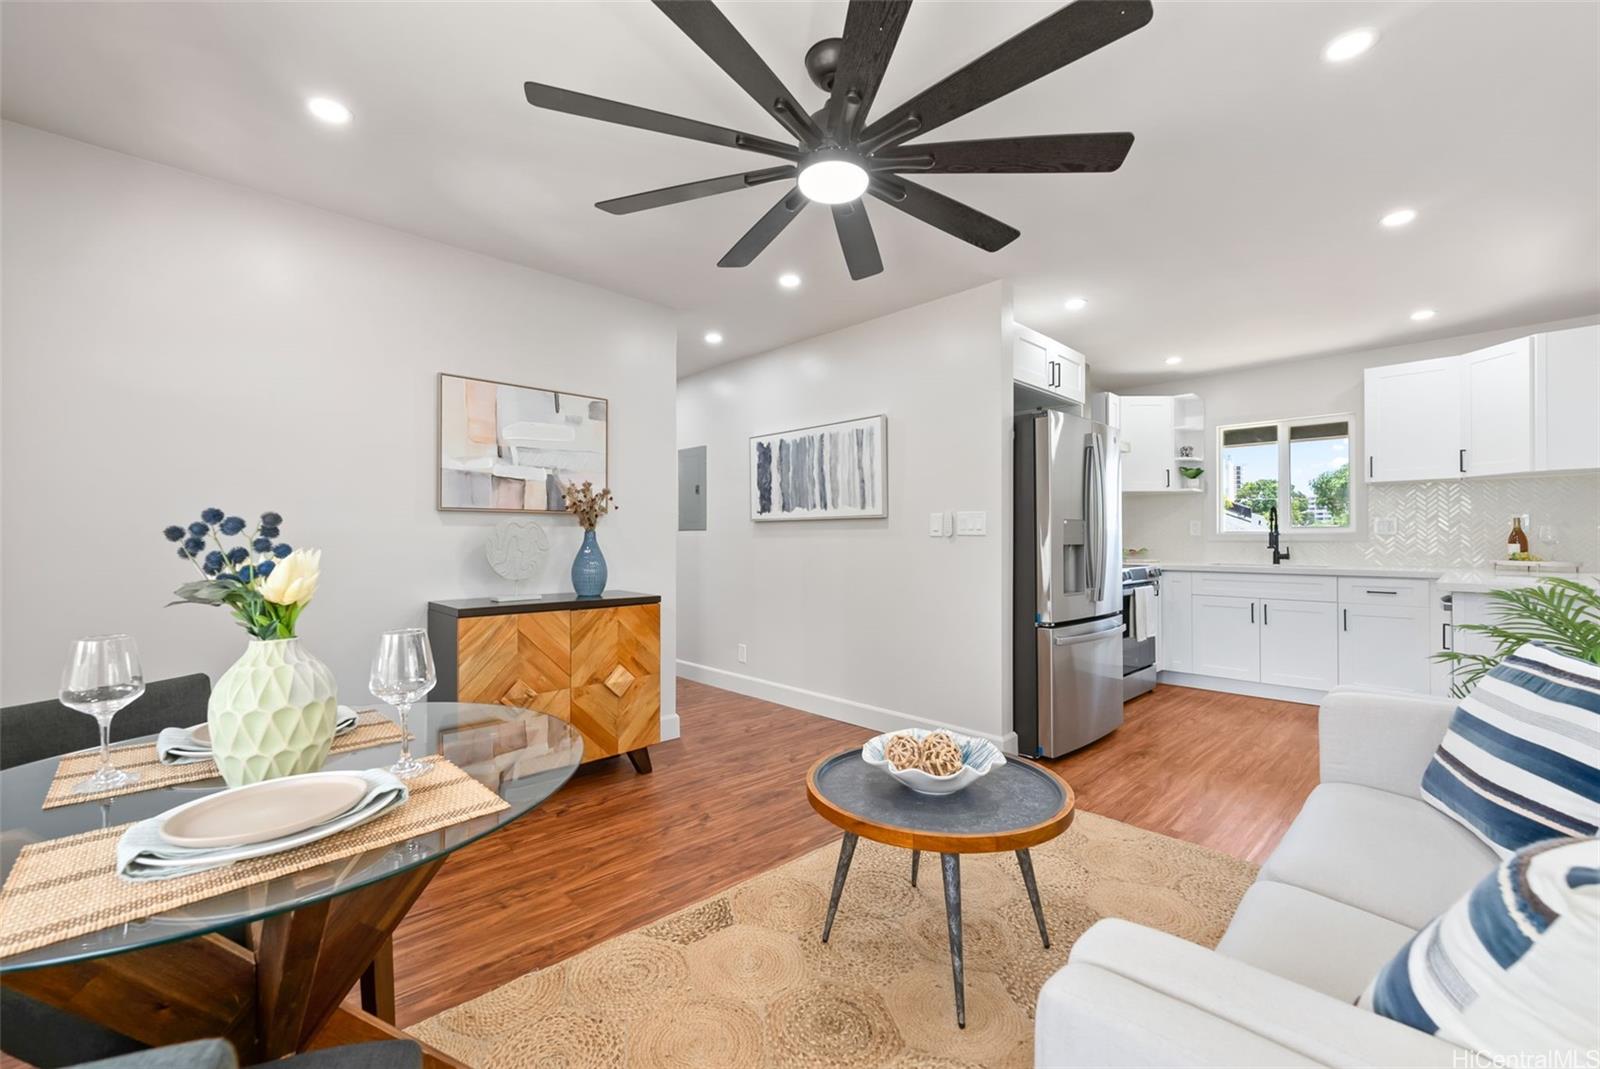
{"points": [[589, 568]]}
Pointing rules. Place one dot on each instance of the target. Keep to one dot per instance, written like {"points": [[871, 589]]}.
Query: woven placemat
{"points": [[69, 887], [372, 729]]}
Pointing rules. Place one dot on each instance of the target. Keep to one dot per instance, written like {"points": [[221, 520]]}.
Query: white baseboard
{"points": [[671, 727], [861, 714], [1240, 686]]}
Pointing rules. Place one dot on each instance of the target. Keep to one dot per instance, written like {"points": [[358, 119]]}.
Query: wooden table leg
{"points": [[640, 759], [348, 1026], [377, 984], [272, 1002]]}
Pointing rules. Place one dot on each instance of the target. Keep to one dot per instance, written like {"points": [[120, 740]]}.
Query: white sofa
{"points": [[1364, 865]]}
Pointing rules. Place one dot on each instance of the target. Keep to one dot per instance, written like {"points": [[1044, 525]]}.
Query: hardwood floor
{"points": [[615, 850]]}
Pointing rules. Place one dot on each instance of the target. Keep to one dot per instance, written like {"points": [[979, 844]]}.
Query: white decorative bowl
{"points": [[978, 757]]}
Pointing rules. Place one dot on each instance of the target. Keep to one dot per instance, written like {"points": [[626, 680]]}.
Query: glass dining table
{"points": [[312, 928]]}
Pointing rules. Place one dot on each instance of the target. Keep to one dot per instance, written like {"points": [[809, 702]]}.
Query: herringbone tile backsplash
{"points": [[1445, 525]]}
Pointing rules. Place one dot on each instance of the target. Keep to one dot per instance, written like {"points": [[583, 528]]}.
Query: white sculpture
{"points": [[516, 551]]}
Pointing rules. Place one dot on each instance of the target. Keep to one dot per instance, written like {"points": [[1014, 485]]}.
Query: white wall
{"points": [[173, 342], [1460, 523], [870, 621]]}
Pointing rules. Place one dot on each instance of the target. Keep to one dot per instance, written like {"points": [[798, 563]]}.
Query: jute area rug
{"points": [[743, 979]]}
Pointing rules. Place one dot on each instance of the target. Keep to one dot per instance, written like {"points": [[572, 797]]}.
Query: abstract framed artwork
{"points": [[835, 471], [508, 448]]}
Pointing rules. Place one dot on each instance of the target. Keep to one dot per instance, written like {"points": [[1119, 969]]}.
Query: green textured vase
{"points": [[272, 713]]}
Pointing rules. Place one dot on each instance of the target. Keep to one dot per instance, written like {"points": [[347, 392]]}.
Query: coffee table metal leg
{"points": [[951, 864], [1026, 863], [847, 849], [916, 855]]}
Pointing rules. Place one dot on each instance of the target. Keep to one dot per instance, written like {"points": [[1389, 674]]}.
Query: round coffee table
{"points": [[1014, 807]]}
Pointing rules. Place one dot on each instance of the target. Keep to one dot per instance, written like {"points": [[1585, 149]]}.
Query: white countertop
{"points": [[1290, 568], [1478, 581]]}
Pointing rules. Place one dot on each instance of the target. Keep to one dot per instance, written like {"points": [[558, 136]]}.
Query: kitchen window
{"points": [[1301, 467]]}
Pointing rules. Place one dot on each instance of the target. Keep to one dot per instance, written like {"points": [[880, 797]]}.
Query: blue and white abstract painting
{"points": [[835, 471]]}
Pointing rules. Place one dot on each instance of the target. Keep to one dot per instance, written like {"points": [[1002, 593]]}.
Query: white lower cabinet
{"points": [[1227, 643], [1385, 646], [1175, 642], [1289, 631], [1299, 644]]}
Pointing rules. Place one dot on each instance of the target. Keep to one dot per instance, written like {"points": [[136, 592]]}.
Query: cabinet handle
{"points": [[1372, 591], [1346, 618], [1168, 474], [1461, 461], [1263, 614], [1369, 465], [1252, 612], [1444, 637]]}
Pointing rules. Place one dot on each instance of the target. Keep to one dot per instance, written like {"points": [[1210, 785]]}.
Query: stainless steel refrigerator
{"points": [[1068, 631]]}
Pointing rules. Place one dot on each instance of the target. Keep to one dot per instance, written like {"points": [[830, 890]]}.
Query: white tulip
{"points": [[294, 578]]}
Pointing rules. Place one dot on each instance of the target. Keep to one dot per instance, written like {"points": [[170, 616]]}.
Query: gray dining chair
{"points": [[37, 730], [37, 1033], [215, 1054]]}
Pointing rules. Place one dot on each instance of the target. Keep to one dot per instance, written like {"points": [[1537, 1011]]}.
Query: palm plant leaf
{"points": [[1562, 614]]}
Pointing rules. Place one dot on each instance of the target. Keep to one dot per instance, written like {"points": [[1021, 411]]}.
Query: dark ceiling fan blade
{"points": [[769, 226], [590, 107], [857, 240], [1048, 45], [938, 210], [709, 28], [706, 187], [1046, 154], [871, 28]]}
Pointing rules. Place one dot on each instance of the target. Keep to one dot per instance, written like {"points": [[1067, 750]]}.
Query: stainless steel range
{"points": [[1138, 653]]}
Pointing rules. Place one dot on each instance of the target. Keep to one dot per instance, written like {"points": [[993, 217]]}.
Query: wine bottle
{"points": [[1517, 540]]}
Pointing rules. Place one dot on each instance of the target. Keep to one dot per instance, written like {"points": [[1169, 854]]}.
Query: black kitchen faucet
{"points": [[1272, 537]]}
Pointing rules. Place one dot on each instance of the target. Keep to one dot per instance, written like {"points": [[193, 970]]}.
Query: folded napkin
{"points": [[142, 854], [178, 746]]}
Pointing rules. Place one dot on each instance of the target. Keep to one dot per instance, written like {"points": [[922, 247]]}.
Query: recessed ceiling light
{"points": [[1076, 304], [1422, 314], [1399, 217], [1174, 360], [713, 337], [1348, 46], [832, 178], [329, 111], [789, 280]]}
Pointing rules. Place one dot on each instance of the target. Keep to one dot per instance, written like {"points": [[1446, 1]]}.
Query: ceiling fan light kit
{"points": [[838, 157]]}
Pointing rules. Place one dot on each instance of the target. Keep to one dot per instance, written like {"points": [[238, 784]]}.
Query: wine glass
{"points": [[103, 675], [402, 674]]}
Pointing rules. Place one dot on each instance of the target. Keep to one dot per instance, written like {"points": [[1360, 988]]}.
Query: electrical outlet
{"points": [[1194, 528], [744, 653], [972, 523], [1384, 525]]}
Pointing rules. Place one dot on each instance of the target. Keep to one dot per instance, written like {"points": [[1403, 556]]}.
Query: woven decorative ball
{"points": [[940, 756], [902, 751]]}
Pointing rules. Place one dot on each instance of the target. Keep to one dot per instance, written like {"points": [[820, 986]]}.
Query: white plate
{"points": [[201, 733], [262, 811]]}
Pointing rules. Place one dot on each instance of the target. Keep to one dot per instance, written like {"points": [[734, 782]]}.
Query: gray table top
{"points": [[1015, 806]]}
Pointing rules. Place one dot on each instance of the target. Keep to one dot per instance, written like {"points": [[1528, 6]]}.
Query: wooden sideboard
{"points": [[593, 662]]}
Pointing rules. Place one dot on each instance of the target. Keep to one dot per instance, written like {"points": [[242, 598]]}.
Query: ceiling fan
{"points": [[839, 156]]}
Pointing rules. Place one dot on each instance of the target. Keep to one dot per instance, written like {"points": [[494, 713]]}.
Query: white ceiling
{"points": [[1243, 227]]}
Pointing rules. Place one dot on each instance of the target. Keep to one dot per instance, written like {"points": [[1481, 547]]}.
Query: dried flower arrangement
{"points": [[587, 503]]}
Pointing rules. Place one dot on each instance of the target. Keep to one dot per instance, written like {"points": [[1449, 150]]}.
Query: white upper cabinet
{"points": [[1149, 442], [1413, 421], [1522, 406], [1566, 396], [1497, 409], [1046, 365]]}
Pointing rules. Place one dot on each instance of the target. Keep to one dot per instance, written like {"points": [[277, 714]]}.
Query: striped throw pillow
{"points": [[1512, 969], [1521, 760]]}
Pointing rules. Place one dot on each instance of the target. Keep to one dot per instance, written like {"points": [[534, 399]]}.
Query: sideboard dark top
{"points": [[611, 599]]}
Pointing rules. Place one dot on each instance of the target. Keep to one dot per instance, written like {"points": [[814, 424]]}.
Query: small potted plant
{"points": [[272, 713], [589, 566]]}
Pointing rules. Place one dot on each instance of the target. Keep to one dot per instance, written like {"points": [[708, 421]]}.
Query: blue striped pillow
{"points": [[1521, 761], [1513, 968]]}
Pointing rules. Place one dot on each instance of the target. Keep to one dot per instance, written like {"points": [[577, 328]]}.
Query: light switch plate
{"points": [[972, 523], [1194, 528], [938, 525], [1383, 525]]}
